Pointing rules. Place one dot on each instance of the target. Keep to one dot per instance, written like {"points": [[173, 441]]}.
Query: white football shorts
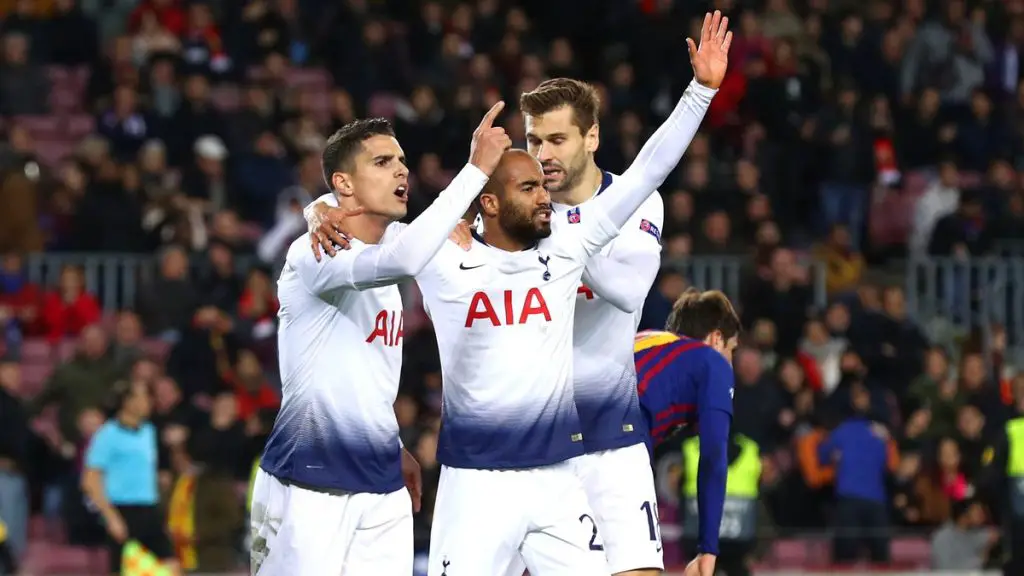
{"points": [[486, 522], [620, 488], [299, 531]]}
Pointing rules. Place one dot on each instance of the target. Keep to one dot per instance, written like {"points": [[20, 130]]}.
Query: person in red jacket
{"points": [[69, 309], [168, 13]]}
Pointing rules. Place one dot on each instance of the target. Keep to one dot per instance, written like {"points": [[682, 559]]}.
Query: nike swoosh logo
{"points": [[464, 267]]}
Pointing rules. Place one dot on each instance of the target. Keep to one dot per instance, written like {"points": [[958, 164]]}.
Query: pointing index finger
{"points": [[488, 119]]}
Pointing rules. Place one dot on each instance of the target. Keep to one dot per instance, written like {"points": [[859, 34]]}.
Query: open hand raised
{"points": [[710, 58]]}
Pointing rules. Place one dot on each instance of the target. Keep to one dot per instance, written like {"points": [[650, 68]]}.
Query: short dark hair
{"points": [[697, 314], [557, 92], [344, 144]]}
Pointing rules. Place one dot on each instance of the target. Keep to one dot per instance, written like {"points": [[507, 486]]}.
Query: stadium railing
{"points": [[731, 273], [950, 297], [115, 279]]}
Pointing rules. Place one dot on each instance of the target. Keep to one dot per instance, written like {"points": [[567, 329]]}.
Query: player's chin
{"points": [[397, 211], [554, 183], [542, 229]]}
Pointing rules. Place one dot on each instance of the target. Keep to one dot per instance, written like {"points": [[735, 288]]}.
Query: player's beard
{"points": [[571, 174], [519, 224]]}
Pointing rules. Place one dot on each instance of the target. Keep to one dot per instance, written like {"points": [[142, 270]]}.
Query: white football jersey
{"points": [[341, 358], [604, 372], [504, 332], [340, 349]]}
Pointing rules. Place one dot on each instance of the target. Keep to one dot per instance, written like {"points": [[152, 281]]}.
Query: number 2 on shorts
{"points": [[593, 535]]}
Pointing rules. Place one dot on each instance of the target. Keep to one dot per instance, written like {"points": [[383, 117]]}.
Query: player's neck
{"points": [[368, 228], [495, 237], [583, 190]]}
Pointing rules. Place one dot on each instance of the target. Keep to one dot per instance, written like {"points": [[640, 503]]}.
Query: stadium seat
{"points": [[789, 553], [36, 351], [33, 377], [911, 552], [382, 105], [66, 349], [156, 348]]}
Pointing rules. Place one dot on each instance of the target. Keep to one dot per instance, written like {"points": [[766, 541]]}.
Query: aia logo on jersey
{"points": [[585, 291], [574, 215], [387, 326], [511, 312], [650, 228]]}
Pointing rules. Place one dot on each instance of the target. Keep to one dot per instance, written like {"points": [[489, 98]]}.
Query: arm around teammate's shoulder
{"points": [[371, 265]]}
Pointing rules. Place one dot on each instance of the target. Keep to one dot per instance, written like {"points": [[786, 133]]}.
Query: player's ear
{"points": [[715, 340], [489, 204], [342, 183], [592, 139]]}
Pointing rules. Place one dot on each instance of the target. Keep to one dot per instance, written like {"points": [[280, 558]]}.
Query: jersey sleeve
{"points": [[375, 265], [99, 452], [602, 217], [712, 473], [714, 413], [625, 275]]}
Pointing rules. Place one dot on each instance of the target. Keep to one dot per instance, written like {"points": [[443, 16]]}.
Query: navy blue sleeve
{"points": [[711, 476], [715, 416]]}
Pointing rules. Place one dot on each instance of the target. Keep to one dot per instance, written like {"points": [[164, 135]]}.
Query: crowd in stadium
{"points": [[847, 136]]}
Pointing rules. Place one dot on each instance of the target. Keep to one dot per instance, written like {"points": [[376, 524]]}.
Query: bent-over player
{"points": [[684, 377]]}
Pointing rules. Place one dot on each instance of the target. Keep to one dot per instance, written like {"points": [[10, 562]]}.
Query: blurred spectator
{"points": [[20, 303], [24, 88], [19, 222], [964, 232], [203, 515], [166, 304], [863, 455], [944, 484], [963, 543], [844, 265], [14, 461], [126, 344], [938, 391], [938, 201], [70, 308], [83, 382]]}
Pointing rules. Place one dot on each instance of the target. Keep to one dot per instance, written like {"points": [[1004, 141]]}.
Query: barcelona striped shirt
{"points": [[681, 382]]}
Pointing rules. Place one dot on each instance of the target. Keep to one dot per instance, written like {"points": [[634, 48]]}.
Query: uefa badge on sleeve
{"points": [[651, 228], [574, 215]]}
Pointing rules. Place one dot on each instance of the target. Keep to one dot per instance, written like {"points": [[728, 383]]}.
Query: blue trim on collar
{"points": [[606, 181], [476, 236]]}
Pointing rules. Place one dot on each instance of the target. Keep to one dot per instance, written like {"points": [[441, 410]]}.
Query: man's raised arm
{"points": [[665, 148], [381, 264]]}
